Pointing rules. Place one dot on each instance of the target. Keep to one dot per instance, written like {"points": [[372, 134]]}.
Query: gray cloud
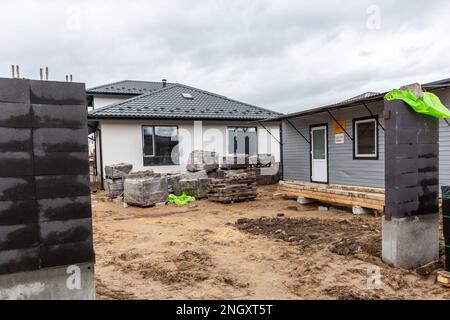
{"points": [[284, 55]]}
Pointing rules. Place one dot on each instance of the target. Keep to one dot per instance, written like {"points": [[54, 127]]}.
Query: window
{"points": [[160, 145], [242, 141], [187, 96], [365, 132]]}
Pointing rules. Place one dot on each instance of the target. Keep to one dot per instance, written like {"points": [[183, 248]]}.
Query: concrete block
{"points": [[57, 93], [19, 260], [66, 254], [61, 163], [18, 212], [15, 140], [13, 189], [60, 283], [15, 115], [59, 116], [60, 140], [357, 210], [305, 201], [16, 164], [64, 208], [19, 236], [410, 242], [59, 232], [322, 208], [14, 90], [48, 187]]}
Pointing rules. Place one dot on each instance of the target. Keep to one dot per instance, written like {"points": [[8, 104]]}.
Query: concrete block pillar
{"points": [[411, 222]]}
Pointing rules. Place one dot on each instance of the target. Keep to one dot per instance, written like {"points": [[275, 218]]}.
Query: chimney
{"points": [[41, 73], [46, 73], [67, 78], [71, 78], [13, 71], [18, 71], [164, 82]]}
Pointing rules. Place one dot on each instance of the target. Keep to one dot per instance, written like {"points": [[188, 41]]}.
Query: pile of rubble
{"points": [[204, 178]]}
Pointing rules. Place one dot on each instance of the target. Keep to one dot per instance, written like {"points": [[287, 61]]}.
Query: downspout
{"points": [[281, 151], [102, 186]]}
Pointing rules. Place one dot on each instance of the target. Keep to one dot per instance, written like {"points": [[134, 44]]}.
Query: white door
{"points": [[319, 156]]}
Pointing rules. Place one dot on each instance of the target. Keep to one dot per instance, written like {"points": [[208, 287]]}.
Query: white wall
{"points": [[122, 141], [104, 100]]}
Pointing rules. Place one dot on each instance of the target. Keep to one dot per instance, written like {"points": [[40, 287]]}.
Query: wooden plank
{"points": [[336, 186], [336, 199], [355, 194]]}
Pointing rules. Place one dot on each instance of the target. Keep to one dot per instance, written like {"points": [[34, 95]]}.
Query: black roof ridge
{"points": [[126, 80]]}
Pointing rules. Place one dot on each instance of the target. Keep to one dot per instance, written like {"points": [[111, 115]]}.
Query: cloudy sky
{"points": [[280, 54]]}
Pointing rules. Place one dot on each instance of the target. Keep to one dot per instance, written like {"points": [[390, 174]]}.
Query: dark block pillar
{"points": [[45, 209], [411, 222]]}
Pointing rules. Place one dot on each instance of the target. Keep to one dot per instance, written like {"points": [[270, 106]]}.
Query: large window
{"points": [[365, 138], [160, 145], [242, 140]]}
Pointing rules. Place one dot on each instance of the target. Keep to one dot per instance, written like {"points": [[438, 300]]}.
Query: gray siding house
{"points": [[343, 143]]}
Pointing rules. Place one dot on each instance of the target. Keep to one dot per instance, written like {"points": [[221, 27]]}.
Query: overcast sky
{"points": [[279, 54]]}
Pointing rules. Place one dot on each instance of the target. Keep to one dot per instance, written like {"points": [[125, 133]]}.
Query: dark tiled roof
{"points": [[128, 87], [169, 103]]}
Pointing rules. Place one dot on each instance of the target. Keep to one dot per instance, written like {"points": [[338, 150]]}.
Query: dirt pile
{"points": [[333, 234]]}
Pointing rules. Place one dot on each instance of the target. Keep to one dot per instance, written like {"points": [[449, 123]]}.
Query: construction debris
{"points": [[443, 277], [146, 191], [203, 160], [233, 187]]}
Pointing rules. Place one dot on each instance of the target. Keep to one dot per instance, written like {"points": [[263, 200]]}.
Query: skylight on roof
{"points": [[187, 96]]}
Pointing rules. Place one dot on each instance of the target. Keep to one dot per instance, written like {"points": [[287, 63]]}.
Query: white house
{"points": [[156, 125]]}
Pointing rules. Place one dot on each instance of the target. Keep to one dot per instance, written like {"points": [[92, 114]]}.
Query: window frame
{"points": [[153, 140], [357, 156], [238, 127]]}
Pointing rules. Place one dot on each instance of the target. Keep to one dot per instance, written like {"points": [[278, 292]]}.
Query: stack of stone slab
{"points": [[238, 161], [114, 178], [145, 191], [268, 175], [202, 160], [192, 183], [265, 160], [233, 186]]}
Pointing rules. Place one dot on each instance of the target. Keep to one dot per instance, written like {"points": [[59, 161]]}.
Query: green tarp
{"points": [[181, 200], [429, 105]]}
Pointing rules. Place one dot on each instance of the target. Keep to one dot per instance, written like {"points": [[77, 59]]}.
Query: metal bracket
{"points": [[340, 125], [270, 133], [378, 122], [288, 121]]}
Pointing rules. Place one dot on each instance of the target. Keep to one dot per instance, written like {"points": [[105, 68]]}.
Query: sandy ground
{"points": [[262, 249]]}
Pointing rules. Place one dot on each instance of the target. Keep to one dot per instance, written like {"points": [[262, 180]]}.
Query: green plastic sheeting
{"points": [[181, 200], [429, 105]]}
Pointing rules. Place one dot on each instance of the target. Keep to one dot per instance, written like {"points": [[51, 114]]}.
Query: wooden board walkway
{"points": [[366, 197]]}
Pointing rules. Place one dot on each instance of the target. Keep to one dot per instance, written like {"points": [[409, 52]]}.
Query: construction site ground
{"points": [[269, 248]]}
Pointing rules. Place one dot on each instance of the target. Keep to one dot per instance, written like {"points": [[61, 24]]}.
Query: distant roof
{"points": [[127, 87], [178, 101], [359, 100]]}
